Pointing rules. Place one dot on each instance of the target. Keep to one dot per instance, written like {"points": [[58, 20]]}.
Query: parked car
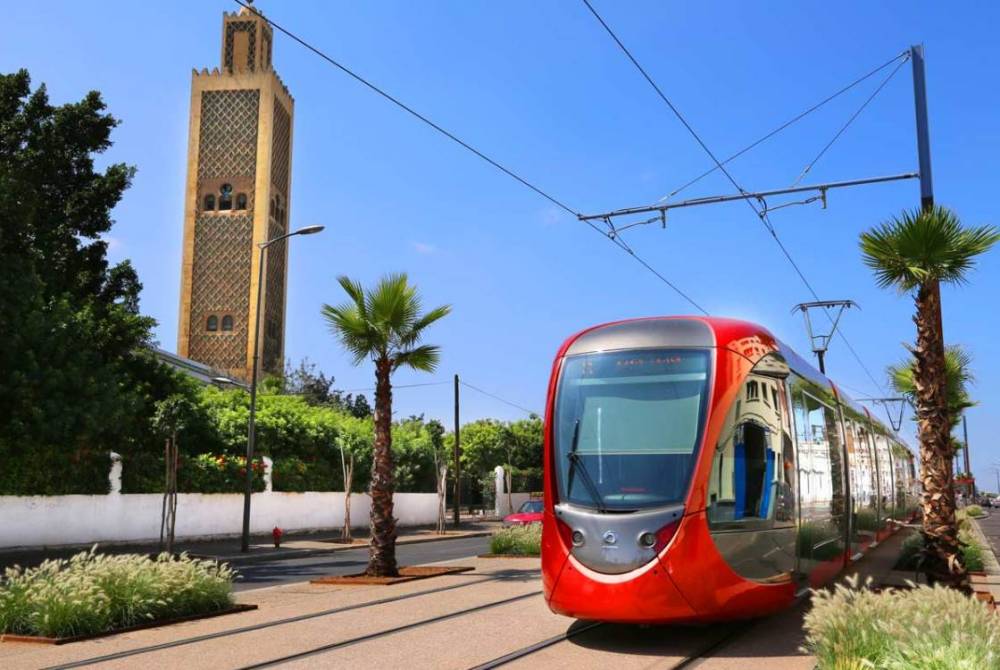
{"points": [[529, 512]]}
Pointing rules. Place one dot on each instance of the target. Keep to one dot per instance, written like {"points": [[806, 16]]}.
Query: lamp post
{"points": [[251, 428]]}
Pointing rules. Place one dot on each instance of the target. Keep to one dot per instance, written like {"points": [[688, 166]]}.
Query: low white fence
{"points": [[29, 521]]}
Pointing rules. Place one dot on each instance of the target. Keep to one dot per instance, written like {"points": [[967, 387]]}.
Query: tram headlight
{"points": [[577, 538], [647, 540]]}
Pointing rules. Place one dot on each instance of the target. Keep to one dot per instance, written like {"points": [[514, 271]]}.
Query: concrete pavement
{"points": [[455, 621]]}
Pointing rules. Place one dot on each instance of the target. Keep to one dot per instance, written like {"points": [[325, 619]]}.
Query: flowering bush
{"points": [[218, 473], [92, 593], [923, 628]]}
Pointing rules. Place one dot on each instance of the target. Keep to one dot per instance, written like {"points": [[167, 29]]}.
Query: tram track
{"points": [[703, 652], [536, 647], [289, 620], [322, 649]]}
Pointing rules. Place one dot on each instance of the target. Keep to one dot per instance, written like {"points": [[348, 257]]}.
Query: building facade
{"points": [[236, 197]]}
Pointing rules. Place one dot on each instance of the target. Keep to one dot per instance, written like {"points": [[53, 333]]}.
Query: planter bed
{"points": [[406, 574], [37, 639], [509, 556]]}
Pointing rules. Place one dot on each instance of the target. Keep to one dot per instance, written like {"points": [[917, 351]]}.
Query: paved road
{"points": [[260, 574], [991, 529]]}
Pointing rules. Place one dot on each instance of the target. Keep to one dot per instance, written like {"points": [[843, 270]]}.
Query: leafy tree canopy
{"points": [[77, 381]]}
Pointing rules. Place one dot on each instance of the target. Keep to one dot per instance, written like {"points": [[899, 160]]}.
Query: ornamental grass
{"points": [[93, 593], [922, 628], [522, 540]]}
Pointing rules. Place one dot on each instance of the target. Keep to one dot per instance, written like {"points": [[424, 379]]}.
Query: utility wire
{"points": [[620, 244], [849, 122], [410, 110], [761, 214], [788, 123], [496, 397]]}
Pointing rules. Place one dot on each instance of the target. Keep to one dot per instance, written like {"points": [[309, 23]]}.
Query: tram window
{"points": [[753, 466]]}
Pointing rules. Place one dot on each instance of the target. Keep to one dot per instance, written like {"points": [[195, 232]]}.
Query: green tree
{"points": [[384, 325], [75, 373], [171, 416], [916, 252]]}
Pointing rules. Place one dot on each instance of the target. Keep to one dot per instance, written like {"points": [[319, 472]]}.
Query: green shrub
{"points": [[54, 471], [92, 593], [297, 475], [974, 511], [909, 552], [909, 555], [523, 540], [920, 629]]}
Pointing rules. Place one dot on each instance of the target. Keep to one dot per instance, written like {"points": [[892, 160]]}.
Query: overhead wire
{"points": [[849, 122], [786, 124], [510, 173], [496, 397], [761, 214]]}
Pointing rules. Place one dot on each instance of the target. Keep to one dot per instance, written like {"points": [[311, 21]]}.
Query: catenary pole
{"points": [[923, 133], [458, 466]]}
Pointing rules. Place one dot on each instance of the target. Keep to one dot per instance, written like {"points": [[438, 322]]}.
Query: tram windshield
{"points": [[627, 426]]}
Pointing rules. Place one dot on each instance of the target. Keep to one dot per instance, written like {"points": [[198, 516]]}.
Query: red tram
{"points": [[697, 469]]}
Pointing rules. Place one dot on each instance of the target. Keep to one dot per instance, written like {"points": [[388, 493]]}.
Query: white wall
{"points": [[27, 521]]}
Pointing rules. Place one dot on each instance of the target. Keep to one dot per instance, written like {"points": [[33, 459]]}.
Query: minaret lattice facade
{"points": [[237, 196]]}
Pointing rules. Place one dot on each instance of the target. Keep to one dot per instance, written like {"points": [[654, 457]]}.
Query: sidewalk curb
{"points": [[243, 559]]}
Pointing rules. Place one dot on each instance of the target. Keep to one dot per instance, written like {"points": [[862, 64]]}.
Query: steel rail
{"points": [[277, 622], [538, 646], [322, 649]]}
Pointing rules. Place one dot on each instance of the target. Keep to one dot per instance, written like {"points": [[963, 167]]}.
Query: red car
{"points": [[529, 512]]}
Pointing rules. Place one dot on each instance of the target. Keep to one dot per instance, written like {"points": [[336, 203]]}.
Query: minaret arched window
{"points": [[209, 203], [212, 323], [241, 201], [227, 323], [226, 197]]}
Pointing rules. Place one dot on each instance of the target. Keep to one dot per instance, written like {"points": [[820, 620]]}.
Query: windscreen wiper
{"points": [[576, 461]]}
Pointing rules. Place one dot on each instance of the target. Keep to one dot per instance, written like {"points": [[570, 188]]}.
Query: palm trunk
{"points": [[943, 559], [382, 551]]}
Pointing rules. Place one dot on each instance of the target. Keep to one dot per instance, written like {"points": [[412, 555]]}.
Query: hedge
{"points": [[56, 473]]}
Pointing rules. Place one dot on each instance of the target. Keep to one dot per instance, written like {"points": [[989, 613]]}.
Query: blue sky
{"points": [[542, 89]]}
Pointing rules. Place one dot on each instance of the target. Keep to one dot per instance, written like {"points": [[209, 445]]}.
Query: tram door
{"points": [[751, 492], [823, 511]]}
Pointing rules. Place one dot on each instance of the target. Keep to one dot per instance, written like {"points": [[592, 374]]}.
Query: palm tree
{"points": [[958, 376], [915, 252], [384, 325]]}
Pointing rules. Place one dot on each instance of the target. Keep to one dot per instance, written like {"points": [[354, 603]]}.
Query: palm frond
{"points": [[958, 376], [918, 246], [384, 321], [393, 305], [423, 358], [356, 292], [417, 328], [349, 326]]}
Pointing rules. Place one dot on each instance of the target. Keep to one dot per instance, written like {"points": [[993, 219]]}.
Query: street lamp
{"points": [[251, 428]]}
